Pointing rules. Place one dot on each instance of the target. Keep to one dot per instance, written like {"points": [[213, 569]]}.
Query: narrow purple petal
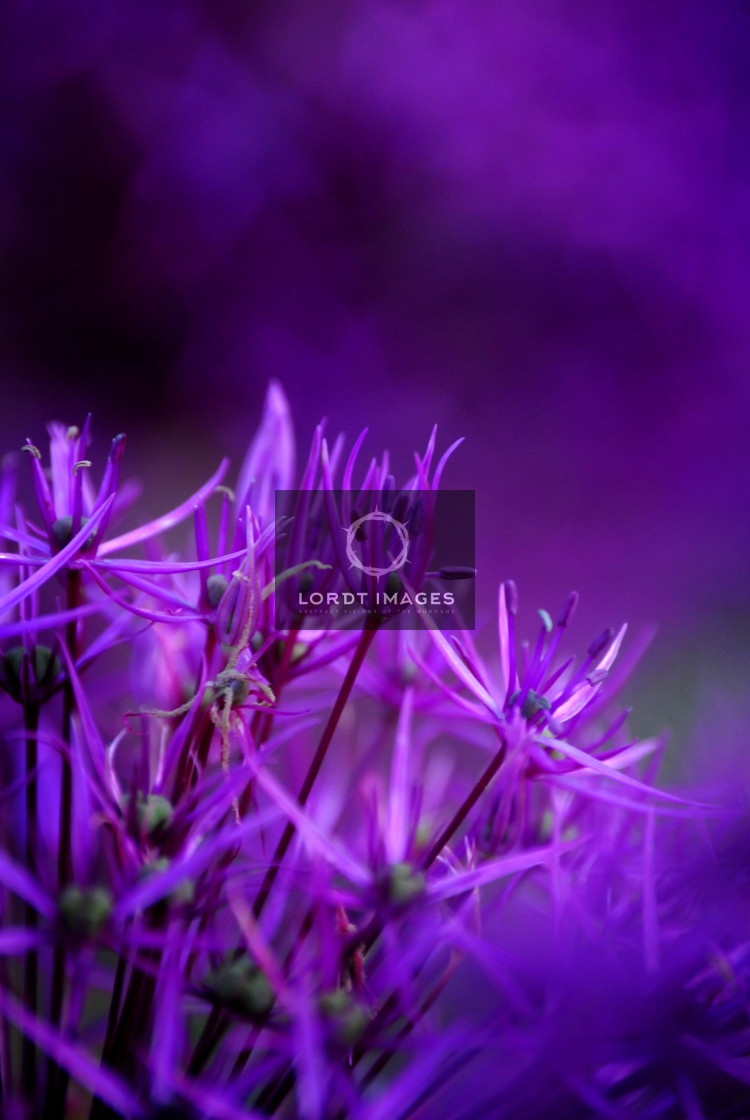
{"points": [[468, 706], [493, 870], [50, 621], [400, 785], [163, 567], [18, 880], [187, 869], [142, 612], [309, 830], [443, 461], [589, 762], [45, 573], [168, 1028], [15, 941], [460, 669], [167, 520], [270, 461], [651, 938]]}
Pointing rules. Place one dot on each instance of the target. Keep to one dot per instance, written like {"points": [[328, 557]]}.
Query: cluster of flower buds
{"points": [[254, 864]]}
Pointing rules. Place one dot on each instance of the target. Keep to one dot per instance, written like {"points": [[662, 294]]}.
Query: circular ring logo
{"points": [[403, 536]]}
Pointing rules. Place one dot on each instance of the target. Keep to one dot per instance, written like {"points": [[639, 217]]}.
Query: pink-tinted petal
{"points": [[505, 637], [608, 660], [460, 669], [576, 702], [495, 869], [589, 762]]}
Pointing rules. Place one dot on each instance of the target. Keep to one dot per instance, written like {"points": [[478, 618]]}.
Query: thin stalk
{"points": [[57, 1079], [287, 835], [262, 722], [246, 1053], [126, 1033], [468, 804], [216, 1023], [387, 1055], [368, 935], [114, 1007], [31, 962], [186, 771]]}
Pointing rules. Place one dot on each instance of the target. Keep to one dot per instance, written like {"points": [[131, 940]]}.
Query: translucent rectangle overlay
{"points": [[344, 560]]}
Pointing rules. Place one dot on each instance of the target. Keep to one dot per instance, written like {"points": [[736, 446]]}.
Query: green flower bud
{"points": [[62, 531], [45, 670], [404, 884], [85, 911], [533, 704], [241, 987], [155, 815], [216, 585], [348, 1017], [182, 895]]}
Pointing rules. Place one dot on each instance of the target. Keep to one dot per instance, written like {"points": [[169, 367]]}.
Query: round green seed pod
{"points": [[216, 585], [85, 911], [155, 815], [62, 531], [241, 987], [348, 1017], [182, 895], [404, 884]]}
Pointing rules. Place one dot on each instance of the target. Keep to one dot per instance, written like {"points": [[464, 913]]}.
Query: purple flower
{"points": [[249, 869]]}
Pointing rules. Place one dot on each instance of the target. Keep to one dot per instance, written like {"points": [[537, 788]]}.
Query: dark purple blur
{"points": [[525, 220]]}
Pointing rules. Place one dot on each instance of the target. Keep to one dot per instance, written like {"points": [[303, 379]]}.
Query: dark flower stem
{"points": [[126, 1033], [57, 1078], [187, 773], [368, 935], [114, 1006], [30, 987], [65, 862], [215, 1025], [365, 641], [468, 804], [387, 1055]]}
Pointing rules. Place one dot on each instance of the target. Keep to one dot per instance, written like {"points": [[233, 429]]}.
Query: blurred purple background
{"points": [[524, 220]]}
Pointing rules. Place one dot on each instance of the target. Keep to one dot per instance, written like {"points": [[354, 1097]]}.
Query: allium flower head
{"points": [[250, 868]]}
